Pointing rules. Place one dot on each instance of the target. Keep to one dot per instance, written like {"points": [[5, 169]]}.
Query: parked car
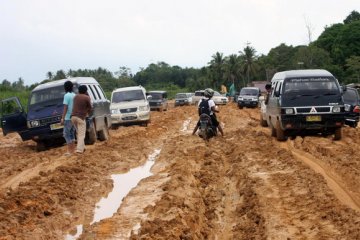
{"points": [[198, 95], [248, 97], [305, 102], [130, 105], [41, 123], [158, 100], [352, 107], [219, 99], [182, 99]]}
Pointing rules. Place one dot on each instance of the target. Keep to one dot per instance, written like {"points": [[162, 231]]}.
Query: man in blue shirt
{"points": [[69, 129]]}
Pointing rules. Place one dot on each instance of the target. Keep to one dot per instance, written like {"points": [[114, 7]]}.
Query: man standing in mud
{"points": [[69, 129], [82, 108]]}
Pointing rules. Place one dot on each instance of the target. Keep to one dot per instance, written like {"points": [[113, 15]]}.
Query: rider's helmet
{"points": [[208, 92]]}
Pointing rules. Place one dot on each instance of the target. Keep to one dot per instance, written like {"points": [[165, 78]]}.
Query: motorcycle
{"points": [[206, 129]]}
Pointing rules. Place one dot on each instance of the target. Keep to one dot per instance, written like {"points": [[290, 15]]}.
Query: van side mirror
{"points": [[344, 88]]}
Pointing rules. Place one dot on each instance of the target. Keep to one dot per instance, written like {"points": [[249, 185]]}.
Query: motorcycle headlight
{"points": [[115, 111], [34, 123], [289, 111], [144, 108], [336, 109]]}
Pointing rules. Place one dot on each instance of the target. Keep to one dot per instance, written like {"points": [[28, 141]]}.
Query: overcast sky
{"points": [[37, 36]]}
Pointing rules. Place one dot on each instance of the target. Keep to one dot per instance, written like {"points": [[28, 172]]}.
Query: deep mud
{"points": [[245, 185]]}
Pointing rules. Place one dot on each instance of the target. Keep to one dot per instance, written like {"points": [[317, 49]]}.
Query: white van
{"points": [[130, 105]]}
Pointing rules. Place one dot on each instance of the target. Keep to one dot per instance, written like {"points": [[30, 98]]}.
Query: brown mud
{"points": [[245, 185]]}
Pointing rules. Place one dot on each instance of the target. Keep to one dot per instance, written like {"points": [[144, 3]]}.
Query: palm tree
{"points": [[49, 75], [217, 69], [248, 56]]}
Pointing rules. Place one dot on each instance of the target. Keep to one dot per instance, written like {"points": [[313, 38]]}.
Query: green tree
{"points": [[49, 75], [353, 65], [60, 74], [311, 57], [249, 66], [216, 66], [353, 16]]}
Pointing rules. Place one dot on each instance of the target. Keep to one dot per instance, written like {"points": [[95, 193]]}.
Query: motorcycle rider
{"points": [[209, 93]]}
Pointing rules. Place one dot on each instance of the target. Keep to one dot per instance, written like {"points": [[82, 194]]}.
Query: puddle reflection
{"points": [[123, 183]]}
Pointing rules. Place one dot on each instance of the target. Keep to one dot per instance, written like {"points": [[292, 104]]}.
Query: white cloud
{"points": [[40, 36]]}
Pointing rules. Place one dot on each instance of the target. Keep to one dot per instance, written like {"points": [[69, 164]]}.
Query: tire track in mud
{"points": [[332, 180]]}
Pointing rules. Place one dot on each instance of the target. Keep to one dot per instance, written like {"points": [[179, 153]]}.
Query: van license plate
{"points": [[56, 126], [313, 118]]}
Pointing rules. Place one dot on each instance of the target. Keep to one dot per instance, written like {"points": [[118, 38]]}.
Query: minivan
{"points": [[41, 123], [305, 101], [130, 105], [158, 100], [248, 97], [182, 99]]}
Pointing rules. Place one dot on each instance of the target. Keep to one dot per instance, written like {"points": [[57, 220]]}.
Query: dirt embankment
{"points": [[245, 185]]}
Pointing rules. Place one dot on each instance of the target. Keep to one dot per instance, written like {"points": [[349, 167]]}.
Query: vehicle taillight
{"points": [[356, 109]]}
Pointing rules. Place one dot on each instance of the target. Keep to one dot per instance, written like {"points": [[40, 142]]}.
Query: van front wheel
{"points": [[338, 134], [91, 136], [104, 134], [280, 133]]}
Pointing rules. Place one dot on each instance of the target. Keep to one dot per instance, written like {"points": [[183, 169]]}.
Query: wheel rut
{"points": [[333, 181]]}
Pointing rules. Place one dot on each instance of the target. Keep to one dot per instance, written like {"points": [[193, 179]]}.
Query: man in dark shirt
{"points": [[81, 109]]}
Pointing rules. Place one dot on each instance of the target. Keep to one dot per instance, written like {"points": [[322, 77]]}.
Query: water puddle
{"points": [[123, 183]]}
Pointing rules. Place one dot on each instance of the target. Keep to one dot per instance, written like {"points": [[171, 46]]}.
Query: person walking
{"points": [[82, 108], [69, 129]]}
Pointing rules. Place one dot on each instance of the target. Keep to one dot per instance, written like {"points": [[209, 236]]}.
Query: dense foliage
{"points": [[337, 49]]}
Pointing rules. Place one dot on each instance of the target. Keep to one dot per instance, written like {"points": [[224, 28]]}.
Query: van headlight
{"points": [[115, 111], [336, 109], [34, 123], [144, 108], [289, 111]]}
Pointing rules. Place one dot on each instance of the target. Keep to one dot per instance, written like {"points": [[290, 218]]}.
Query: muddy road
{"points": [[160, 182]]}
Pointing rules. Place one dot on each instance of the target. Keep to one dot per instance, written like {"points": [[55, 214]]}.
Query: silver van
{"points": [[130, 105]]}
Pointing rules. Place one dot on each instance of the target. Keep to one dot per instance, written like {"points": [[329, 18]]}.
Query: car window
{"points": [[181, 95], [155, 95], [91, 93], [99, 92], [350, 97], [10, 107], [47, 96], [126, 96]]}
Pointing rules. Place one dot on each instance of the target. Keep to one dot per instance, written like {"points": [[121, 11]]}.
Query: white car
{"points": [[130, 105], [220, 99]]}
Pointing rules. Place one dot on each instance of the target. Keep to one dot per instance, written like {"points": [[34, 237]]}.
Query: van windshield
{"points": [[127, 96], [156, 96], [52, 95], [249, 92], [310, 84], [181, 95]]}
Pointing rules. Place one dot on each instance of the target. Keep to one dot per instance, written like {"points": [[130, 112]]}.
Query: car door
{"points": [[13, 116]]}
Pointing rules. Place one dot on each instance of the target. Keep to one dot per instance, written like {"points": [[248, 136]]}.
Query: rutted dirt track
{"points": [[245, 185]]}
